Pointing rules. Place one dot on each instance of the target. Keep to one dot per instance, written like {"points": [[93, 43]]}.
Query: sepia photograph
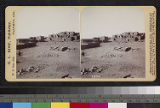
{"points": [[80, 43], [113, 42], [47, 43]]}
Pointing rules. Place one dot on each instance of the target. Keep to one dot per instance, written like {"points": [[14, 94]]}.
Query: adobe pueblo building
{"points": [[120, 38], [129, 37], [64, 36], [59, 37]]}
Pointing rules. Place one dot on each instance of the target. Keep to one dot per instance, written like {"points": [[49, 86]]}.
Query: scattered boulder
{"points": [[136, 39], [37, 70], [34, 69], [84, 71], [18, 73], [30, 69], [99, 70], [20, 53], [135, 49], [53, 48], [94, 68], [83, 54], [127, 49], [129, 75], [118, 48], [64, 48], [65, 76], [18, 61], [21, 71]]}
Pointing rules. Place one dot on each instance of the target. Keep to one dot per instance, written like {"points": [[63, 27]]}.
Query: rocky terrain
{"points": [[114, 60], [120, 56], [49, 60]]}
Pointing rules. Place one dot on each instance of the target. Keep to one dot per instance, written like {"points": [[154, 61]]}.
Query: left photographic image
{"points": [[47, 43]]}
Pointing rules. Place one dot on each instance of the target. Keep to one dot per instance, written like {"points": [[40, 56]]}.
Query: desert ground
{"points": [[112, 60], [49, 60]]}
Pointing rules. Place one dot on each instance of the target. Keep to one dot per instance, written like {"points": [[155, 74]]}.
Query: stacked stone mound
{"points": [[64, 36], [129, 37]]}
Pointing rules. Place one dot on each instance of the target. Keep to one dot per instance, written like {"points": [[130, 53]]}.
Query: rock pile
{"points": [[128, 76], [63, 48], [34, 69], [85, 71], [28, 70], [83, 53], [66, 76], [125, 49]]}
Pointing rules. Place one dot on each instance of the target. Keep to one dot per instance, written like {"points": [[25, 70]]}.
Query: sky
{"points": [[36, 21], [108, 21], [95, 21]]}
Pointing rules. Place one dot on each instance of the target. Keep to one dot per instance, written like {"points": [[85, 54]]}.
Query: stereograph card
{"points": [[80, 43]]}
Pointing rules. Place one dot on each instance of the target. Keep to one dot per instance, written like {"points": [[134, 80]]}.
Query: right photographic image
{"points": [[113, 42]]}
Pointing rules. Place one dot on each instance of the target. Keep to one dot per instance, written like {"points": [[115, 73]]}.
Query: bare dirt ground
{"points": [[114, 62], [47, 60]]}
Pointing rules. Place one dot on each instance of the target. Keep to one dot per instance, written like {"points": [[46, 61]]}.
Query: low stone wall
{"points": [[26, 45], [90, 45]]}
